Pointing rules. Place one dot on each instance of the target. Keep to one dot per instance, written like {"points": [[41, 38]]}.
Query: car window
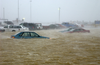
{"points": [[5, 26], [15, 26], [34, 34], [23, 27], [26, 34], [31, 25], [21, 24], [76, 30], [81, 30], [18, 33], [72, 30], [25, 24], [18, 26], [10, 26]]}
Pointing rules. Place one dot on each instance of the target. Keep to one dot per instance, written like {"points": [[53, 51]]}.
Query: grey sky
{"points": [[47, 10]]}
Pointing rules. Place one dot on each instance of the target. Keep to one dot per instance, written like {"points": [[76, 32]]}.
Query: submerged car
{"points": [[78, 31], [27, 35], [70, 28]]}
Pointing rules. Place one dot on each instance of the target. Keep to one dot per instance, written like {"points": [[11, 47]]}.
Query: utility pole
{"points": [[30, 11]]}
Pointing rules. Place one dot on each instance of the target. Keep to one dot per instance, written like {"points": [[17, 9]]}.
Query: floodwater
{"points": [[62, 49]]}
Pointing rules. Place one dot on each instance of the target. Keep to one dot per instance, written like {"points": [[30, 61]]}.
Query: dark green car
{"points": [[27, 35]]}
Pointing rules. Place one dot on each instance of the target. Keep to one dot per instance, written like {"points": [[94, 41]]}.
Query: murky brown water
{"points": [[62, 49]]}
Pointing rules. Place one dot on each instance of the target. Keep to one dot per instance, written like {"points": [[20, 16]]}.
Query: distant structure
{"points": [[4, 19], [4, 23], [97, 23], [17, 22], [67, 24]]}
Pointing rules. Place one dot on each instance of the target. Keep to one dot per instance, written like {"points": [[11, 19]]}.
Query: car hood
{"points": [[12, 35]]}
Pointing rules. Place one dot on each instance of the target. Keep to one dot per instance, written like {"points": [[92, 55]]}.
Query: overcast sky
{"points": [[45, 11]]}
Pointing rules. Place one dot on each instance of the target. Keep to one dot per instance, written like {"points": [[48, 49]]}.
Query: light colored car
{"points": [[2, 29], [14, 28]]}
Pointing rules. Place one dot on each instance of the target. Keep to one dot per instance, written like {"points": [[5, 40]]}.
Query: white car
{"points": [[15, 28]]}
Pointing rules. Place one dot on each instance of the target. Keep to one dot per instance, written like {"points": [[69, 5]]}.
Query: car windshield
{"points": [[16, 33], [71, 30], [68, 29], [5, 26]]}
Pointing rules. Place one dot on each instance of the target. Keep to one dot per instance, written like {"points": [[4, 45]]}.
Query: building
{"points": [[97, 23]]}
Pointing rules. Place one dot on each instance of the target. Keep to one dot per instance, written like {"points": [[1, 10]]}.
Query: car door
{"points": [[82, 30]]}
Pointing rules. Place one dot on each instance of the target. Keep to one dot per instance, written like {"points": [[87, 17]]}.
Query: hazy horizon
{"points": [[46, 11]]}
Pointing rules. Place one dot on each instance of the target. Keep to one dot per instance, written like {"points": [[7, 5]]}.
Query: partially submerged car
{"points": [[80, 30], [75, 29], [70, 28], [27, 35], [56, 26]]}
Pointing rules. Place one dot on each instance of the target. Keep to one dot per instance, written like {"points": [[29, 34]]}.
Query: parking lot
{"points": [[62, 49]]}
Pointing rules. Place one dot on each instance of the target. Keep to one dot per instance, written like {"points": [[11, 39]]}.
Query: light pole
{"points": [[18, 12], [30, 11], [3, 13], [59, 14]]}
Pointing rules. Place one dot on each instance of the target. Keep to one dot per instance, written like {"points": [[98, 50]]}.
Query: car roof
{"points": [[76, 27], [13, 25], [28, 31]]}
